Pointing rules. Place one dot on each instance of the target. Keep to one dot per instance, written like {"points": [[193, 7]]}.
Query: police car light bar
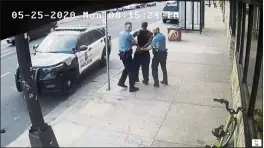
{"points": [[71, 29]]}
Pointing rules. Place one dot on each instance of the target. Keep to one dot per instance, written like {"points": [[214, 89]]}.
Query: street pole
{"points": [[106, 47], [40, 133]]}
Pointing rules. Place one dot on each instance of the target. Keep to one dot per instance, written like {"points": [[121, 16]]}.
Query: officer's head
{"points": [[144, 25], [156, 31], [128, 26]]}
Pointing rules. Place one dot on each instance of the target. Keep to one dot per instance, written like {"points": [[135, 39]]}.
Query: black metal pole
{"points": [[40, 134], [203, 15], [192, 15], [200, 16], [231, 15], [248, 44], [234, 17], [185, 7], [242, 39], [239, 16]]}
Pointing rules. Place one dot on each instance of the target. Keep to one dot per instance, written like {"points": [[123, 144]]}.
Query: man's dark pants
{"points": [[160, 57], [129, 71], [142, 58]]}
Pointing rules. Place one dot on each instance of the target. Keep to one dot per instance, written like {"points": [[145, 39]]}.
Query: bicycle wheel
{"points": [[229, 132]]}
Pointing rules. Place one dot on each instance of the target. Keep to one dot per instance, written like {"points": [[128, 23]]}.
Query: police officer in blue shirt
{"points": [[126, 42], [158, 45]]}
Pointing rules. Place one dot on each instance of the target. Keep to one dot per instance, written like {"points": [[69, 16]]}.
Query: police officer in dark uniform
{"points": [[142, 58], [126, 41], [158, 45]]}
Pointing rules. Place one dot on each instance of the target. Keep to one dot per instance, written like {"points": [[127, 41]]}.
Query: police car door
{"points": [[97, 45], [82, 55]]}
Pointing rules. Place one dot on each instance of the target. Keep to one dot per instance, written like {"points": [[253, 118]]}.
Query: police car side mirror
{"points": [[83, 48], [74, 50], [35, 46]]}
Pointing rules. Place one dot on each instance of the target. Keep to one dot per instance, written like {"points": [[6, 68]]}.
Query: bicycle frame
{"points": [[218, 143]]}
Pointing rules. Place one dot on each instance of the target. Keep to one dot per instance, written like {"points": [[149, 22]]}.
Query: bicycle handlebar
{"points": [[230, 110]]}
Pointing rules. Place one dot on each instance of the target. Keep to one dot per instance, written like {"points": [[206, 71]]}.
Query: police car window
{"points": [[99, 34], [96, 35], [102, 30], [58, 43], [83, 40], [92, 37], [170, 8]]}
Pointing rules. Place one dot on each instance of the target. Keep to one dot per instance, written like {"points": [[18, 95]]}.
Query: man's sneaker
{"points": [[122, 85], [156, 85], [133, 89], [164, 82], [137, 80], [144, 82]]}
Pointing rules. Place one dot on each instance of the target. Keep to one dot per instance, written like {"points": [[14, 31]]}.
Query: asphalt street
{"points": [[14, 114]]}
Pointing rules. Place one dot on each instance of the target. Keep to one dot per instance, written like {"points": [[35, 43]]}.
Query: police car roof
{"points": [[66, 33], [79, 28]]}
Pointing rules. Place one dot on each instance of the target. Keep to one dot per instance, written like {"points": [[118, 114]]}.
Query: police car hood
{"points": [[50, 59]]}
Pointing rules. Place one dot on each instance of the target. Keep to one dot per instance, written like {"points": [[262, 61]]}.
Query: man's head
{"points": [[156, 31], [128, 26], [144, 25]]}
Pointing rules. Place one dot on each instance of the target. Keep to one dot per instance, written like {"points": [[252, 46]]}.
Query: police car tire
{"points": [[103, 57], [66, 91], [102, 61], [164, 20]]}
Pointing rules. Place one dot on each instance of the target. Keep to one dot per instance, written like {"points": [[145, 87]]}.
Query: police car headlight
{"points": [[56, 69]]}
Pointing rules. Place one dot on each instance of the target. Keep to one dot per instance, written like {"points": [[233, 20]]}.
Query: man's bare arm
{"points": [[149, 41], [146, 48], [135, 34]]}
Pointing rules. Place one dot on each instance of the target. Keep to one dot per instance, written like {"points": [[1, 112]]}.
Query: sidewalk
{"points": [[181, 114]]}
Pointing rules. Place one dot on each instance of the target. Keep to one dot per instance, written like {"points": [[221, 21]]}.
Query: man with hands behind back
{"points": [[158, 46], [142, 57]]}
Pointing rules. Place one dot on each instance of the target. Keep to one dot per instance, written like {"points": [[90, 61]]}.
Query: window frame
{"points": [[248, 99]]}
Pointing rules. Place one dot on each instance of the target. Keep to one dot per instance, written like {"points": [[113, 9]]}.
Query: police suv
{"points": [[170, 12], [64, 55]]}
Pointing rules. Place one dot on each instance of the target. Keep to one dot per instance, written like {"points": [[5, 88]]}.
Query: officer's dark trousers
{"points": [[129, 69], [160, 57], [142, 59]]}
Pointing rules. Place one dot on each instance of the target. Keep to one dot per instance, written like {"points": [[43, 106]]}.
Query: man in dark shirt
{"points": [[142, 58], [158, 46]]}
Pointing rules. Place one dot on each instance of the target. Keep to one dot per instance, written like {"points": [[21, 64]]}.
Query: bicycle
{"points": [[225, 133]]}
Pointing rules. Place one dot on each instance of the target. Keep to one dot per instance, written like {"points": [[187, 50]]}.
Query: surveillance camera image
{"points": [[183, 73]]}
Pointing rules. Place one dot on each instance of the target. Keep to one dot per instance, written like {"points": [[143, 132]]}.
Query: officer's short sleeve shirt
{"points": [[159, 42], [125, 41]]}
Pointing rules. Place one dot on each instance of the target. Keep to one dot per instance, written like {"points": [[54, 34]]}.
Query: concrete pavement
{"points": [[181, 114], [13, 106]]}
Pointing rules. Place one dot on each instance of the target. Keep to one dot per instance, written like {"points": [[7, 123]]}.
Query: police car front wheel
{"points": [[69, 83]]}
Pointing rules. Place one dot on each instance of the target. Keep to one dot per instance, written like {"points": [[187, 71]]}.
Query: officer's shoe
{"points": [[164, 82], [144, 82], [156, 85], [122, 85], [133, 89]]}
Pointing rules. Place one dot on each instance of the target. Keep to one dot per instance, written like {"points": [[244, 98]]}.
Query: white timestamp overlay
{"points": [[86, 15], [256, 142]]}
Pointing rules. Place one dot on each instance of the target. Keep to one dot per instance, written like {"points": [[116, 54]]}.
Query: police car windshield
{"points": [[171, 8], [58, 44]]}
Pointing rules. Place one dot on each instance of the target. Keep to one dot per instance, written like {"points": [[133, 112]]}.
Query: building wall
{"points": [[239, 136]]}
